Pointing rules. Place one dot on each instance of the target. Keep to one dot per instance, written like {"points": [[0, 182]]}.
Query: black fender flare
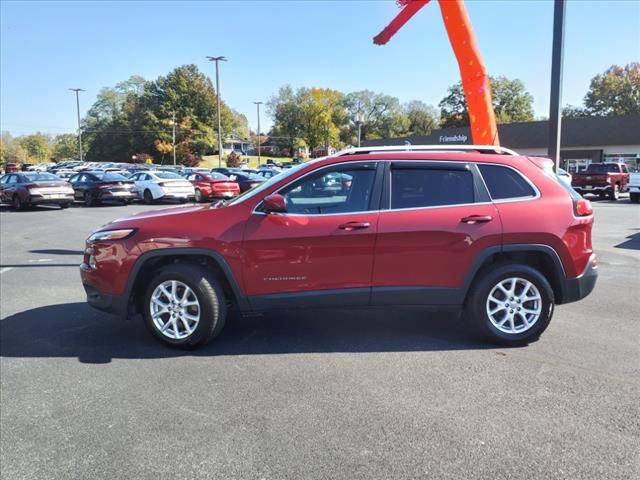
{"points": [[241, 299], [559, 272]]}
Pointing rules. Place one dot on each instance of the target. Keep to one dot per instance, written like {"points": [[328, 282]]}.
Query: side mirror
{"points": [[274, 203]]}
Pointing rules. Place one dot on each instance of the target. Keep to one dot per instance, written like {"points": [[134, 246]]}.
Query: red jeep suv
{"points": [[481, 230]]}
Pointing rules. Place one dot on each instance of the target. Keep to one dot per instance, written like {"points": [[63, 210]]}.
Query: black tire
{"points": [[198, 196], [210, 296], [147, 197], [476, 304], [16, 203], [90, 199], [614, 194], [65, 205], [634, 197]]}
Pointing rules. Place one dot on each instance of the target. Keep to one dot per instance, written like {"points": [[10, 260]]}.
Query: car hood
{"points": [[164, 212]]}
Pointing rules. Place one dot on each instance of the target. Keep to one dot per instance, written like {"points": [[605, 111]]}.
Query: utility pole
{"points": [[555, 112], [359, 122], [78, 90], [217, 60], [174, 137], [258, 107]]}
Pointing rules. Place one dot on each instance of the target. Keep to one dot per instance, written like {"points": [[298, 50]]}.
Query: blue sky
{"points": [[48, 47]]}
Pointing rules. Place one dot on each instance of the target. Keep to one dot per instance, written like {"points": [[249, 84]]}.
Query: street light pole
{"points": [[555, 112], [217, 60], [258, 107], [174, 137], [78, 90]]}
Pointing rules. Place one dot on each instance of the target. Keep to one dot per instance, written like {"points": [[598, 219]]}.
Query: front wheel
{"points": [[198, 196], [184, 306], [511, 304]]}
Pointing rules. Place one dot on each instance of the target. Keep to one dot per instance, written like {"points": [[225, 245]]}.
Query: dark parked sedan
{"points": [[22, 189], [246, 180], [97, 187]]}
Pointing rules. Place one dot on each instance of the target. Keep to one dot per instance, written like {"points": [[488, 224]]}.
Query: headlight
{"points": [[111, 235]]}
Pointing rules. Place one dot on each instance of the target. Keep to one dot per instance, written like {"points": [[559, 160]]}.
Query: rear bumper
{"points": [[116, 196], [593, 189], [574, 289], [41, 200]]}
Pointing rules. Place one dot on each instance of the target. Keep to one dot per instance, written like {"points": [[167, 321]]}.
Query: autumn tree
{"points": [[422, 117], [65, 147], [616, 91]]}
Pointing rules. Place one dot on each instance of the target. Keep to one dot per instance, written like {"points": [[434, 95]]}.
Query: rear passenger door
{"points": [[436, 218]]}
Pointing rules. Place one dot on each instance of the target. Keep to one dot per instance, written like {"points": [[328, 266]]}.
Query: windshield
{"points": [[602, 168], [263, 186], [41, 177], [111, 177]]}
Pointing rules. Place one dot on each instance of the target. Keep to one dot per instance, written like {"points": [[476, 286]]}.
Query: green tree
{"points": [[422, 117], [65, 147], [615, 92], [380, 116], [571, 111], [511, 103], [286, 114]]}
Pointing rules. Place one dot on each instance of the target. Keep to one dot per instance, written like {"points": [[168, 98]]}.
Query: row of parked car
{"points": [[94, 184]]}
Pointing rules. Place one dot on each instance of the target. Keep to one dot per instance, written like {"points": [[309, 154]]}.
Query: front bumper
{"points": [[114, 304], [574, 289]]}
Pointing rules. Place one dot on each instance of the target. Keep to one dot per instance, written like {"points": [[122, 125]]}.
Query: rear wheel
{"points": [[90, 199], [634, 197], [65, 205], [16, 203], [614, 194], [148, 197], [511, 304], [184, 306]]}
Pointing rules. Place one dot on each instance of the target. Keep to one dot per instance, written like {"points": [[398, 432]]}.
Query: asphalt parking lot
{"points": [[356, 394]]}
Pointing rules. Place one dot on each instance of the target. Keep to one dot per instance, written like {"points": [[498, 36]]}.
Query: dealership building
{"points": [[584, 140]]}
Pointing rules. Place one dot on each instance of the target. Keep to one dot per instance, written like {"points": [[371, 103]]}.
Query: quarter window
{"points": [[504, 183], [430, 187], [340, 190]]}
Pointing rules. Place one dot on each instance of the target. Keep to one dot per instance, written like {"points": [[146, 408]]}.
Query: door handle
{"points": [[473, 219], [349, 226]]}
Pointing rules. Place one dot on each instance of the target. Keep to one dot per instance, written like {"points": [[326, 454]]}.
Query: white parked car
{"points": [[155, 185], [634, 187]]}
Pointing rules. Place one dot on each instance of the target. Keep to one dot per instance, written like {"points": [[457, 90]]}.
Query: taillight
{"points": [[582, 207]]}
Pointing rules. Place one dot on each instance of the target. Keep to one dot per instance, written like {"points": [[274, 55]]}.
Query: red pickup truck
{"points": [[602, 179]]}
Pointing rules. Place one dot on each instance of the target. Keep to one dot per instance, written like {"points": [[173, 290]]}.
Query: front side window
{"points": [[505, 183], [338, 190], [430, 187]]}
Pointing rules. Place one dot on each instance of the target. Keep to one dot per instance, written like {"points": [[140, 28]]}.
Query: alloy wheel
{"points": [[514, 305], [175, 309]]}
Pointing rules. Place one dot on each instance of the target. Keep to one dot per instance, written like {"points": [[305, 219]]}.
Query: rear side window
{"points": [[504, 183], [427, 187]]}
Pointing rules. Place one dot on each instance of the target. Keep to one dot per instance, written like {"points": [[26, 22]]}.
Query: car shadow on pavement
{"points": [[76, 330], [632, 242], [57, 251]]}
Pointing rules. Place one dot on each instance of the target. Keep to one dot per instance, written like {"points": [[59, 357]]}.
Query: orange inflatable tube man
{"points": [[475, 81]]}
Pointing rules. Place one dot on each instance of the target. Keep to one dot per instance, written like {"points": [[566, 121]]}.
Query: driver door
{"points": [[320, 252]]}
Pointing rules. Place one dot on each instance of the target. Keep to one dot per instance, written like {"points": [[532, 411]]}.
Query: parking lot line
{"points": [[5, 269]]}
